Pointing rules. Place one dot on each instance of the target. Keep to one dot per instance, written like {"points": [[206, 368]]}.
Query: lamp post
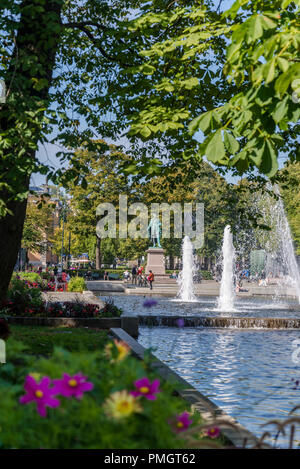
{"points": [[63, 214]]}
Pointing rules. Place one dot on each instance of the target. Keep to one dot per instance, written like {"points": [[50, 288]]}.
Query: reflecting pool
{"points": [[247, 373]]}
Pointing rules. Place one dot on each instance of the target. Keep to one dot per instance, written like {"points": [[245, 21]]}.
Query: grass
{"points": [[42, 340]]}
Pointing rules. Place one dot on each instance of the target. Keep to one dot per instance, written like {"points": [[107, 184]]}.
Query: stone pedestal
{"points": [[155, 261]]}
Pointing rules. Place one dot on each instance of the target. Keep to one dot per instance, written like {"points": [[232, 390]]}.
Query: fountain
{"points": [[185, 278], [285, 245], [227, 291]]}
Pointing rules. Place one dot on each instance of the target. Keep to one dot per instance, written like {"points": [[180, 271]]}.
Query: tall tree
{"points": [[32, 29], [48, 48], [38, 227], [103, 183]]}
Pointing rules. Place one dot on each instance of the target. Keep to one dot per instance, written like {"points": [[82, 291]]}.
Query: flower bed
{"points": [[103, 399], [25, 300], [65, 309]]}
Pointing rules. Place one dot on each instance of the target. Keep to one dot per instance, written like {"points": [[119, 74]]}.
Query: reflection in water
{"points": [[247, 373]]}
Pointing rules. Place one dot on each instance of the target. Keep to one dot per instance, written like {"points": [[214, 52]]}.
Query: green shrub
{"points": [[31, 277], [22, 294], [88, 422], [77, 284], [110, 310], [206, 275]]}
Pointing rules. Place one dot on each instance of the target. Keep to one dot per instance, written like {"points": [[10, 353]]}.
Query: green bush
{"points": [[206, 275], [89, 422], [31, 277], [77, 284], [21, 293], [110, 310], [82, 272]]}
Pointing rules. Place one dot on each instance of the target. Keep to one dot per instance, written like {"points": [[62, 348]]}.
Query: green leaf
{"points": [[280, 110], [268, 23], [201, 122], [283, 81], [148, 69], [283, 63], [145, 132], [269, 70], [232, 50], [255, 27], [269, 164], [191, 83], [257, 156], [215, 150], [231, 143]]}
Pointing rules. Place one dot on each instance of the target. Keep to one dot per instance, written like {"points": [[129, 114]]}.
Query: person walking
{"points": [[64, 280], [134, 274], [55, 271], [150, 278], [140, 275]]}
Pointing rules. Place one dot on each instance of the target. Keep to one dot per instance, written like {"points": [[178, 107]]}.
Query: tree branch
{"points": [[82, 26]]}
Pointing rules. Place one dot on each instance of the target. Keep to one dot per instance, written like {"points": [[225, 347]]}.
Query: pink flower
{"points": [[213, 432], [146, 389], [182, 422], [41, 393], [72, 385]]}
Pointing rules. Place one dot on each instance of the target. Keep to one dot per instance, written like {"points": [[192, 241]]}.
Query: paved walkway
{"points": [[206, 288]]}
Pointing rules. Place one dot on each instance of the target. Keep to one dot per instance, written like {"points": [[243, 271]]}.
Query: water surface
{"points": [[247, 373]]}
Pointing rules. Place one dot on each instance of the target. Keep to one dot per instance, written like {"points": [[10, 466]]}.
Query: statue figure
{"points": [[154, 230]]}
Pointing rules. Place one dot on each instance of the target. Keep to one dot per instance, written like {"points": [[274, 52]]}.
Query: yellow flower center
{"points": [[179, 424], [39, 393], [125, 408], [124, 405], [144, 389], [73, 383]]}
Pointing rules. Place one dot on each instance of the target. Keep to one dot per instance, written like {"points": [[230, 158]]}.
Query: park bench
{"points": [[113, 276], [95, 276]]}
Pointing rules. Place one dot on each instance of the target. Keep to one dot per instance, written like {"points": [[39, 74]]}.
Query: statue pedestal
{"points": [[155, 261]]}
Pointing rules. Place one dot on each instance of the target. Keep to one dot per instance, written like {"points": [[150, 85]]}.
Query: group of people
{"points": [[61, 278], [139, 277]]}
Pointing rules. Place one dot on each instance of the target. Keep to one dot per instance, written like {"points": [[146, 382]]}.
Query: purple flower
{"points": [[182, 422], [180, 322], [213, 432], [146, 389], [72, 385], [41, 393], [149, 303]]}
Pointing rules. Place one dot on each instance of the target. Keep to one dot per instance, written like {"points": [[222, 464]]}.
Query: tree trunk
{"points": [[98, 253], [36, 43]]}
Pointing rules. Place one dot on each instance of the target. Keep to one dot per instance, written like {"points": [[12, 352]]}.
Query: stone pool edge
{"points": [[242, 438], [152, 320]]}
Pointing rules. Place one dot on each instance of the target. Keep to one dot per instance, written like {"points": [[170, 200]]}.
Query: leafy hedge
{"points": [[82, 272], [103, 399], [64, 309], [206, 275], [77, 284], [24, 299]]}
